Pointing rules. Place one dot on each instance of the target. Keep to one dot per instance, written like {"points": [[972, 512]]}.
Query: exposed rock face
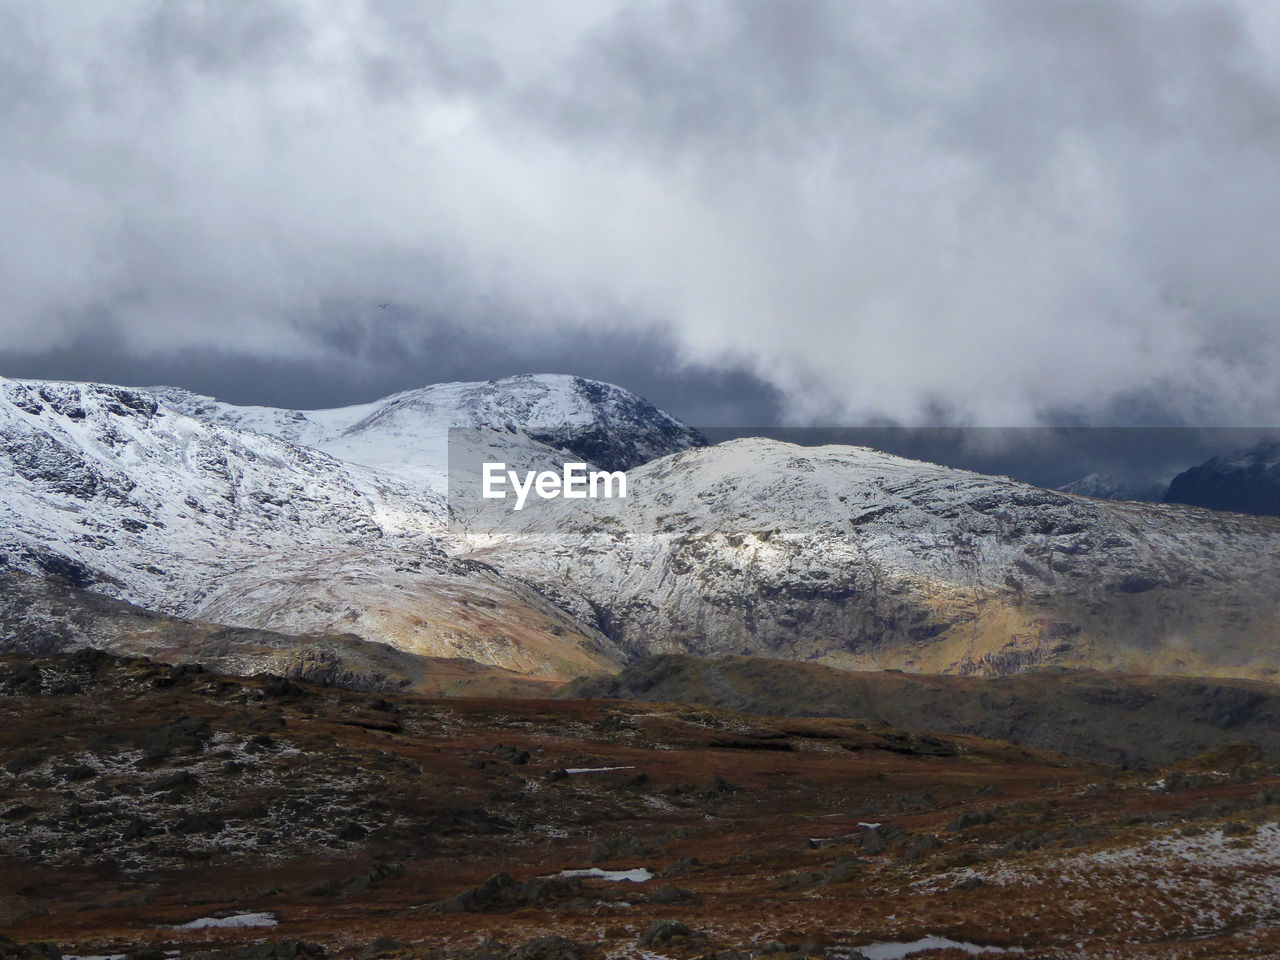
{"points": [[1248, 482]]}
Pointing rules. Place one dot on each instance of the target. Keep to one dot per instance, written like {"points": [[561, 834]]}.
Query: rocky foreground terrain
{"points": [[154, 810]]}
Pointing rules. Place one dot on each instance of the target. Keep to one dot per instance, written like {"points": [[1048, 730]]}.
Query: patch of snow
{"points": [[657, 803], [636, 875], [595, 769], [236, 920]]}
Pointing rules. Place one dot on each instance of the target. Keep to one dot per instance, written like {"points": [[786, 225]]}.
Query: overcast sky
{"points": [[979, 211]]}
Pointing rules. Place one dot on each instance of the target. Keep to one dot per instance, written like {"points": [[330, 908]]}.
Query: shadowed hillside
{"points": [[1105, 717]]}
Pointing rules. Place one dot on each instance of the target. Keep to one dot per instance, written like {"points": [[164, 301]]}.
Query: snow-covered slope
{"points": [[863, 559], [406, 435], [121, 494]]}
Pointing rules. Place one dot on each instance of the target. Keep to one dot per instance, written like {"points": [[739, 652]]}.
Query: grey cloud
{"points": [[223, 38], [404, 353], [992, 212], [419, 47]]}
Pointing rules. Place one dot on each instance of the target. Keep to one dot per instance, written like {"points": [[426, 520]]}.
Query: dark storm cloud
{"points": [[989, 212], [411, 356]]}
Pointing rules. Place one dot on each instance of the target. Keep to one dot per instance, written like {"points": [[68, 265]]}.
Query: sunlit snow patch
{"points": [[238, 920], [594, 769], [638, 875]]}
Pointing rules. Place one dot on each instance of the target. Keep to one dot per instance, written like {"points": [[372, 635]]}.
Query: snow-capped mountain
{"points": [[334, 522], [1106, 487], [117, 492], [406, 435], [867, 560], [1098, 485], [1245, 482]]}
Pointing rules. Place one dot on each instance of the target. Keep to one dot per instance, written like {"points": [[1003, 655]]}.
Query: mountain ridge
{"points": [[599, 422], [843, 555], [862, 559]]}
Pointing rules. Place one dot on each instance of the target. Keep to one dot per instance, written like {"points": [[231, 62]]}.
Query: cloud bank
{"points": [[991, 212]]}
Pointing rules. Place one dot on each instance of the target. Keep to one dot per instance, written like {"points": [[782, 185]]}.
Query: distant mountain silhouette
{"points": [[1245, 482]]}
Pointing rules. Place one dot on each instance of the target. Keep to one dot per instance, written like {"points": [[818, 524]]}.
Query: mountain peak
{"points": [[407, 432], [1244, 482]]}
